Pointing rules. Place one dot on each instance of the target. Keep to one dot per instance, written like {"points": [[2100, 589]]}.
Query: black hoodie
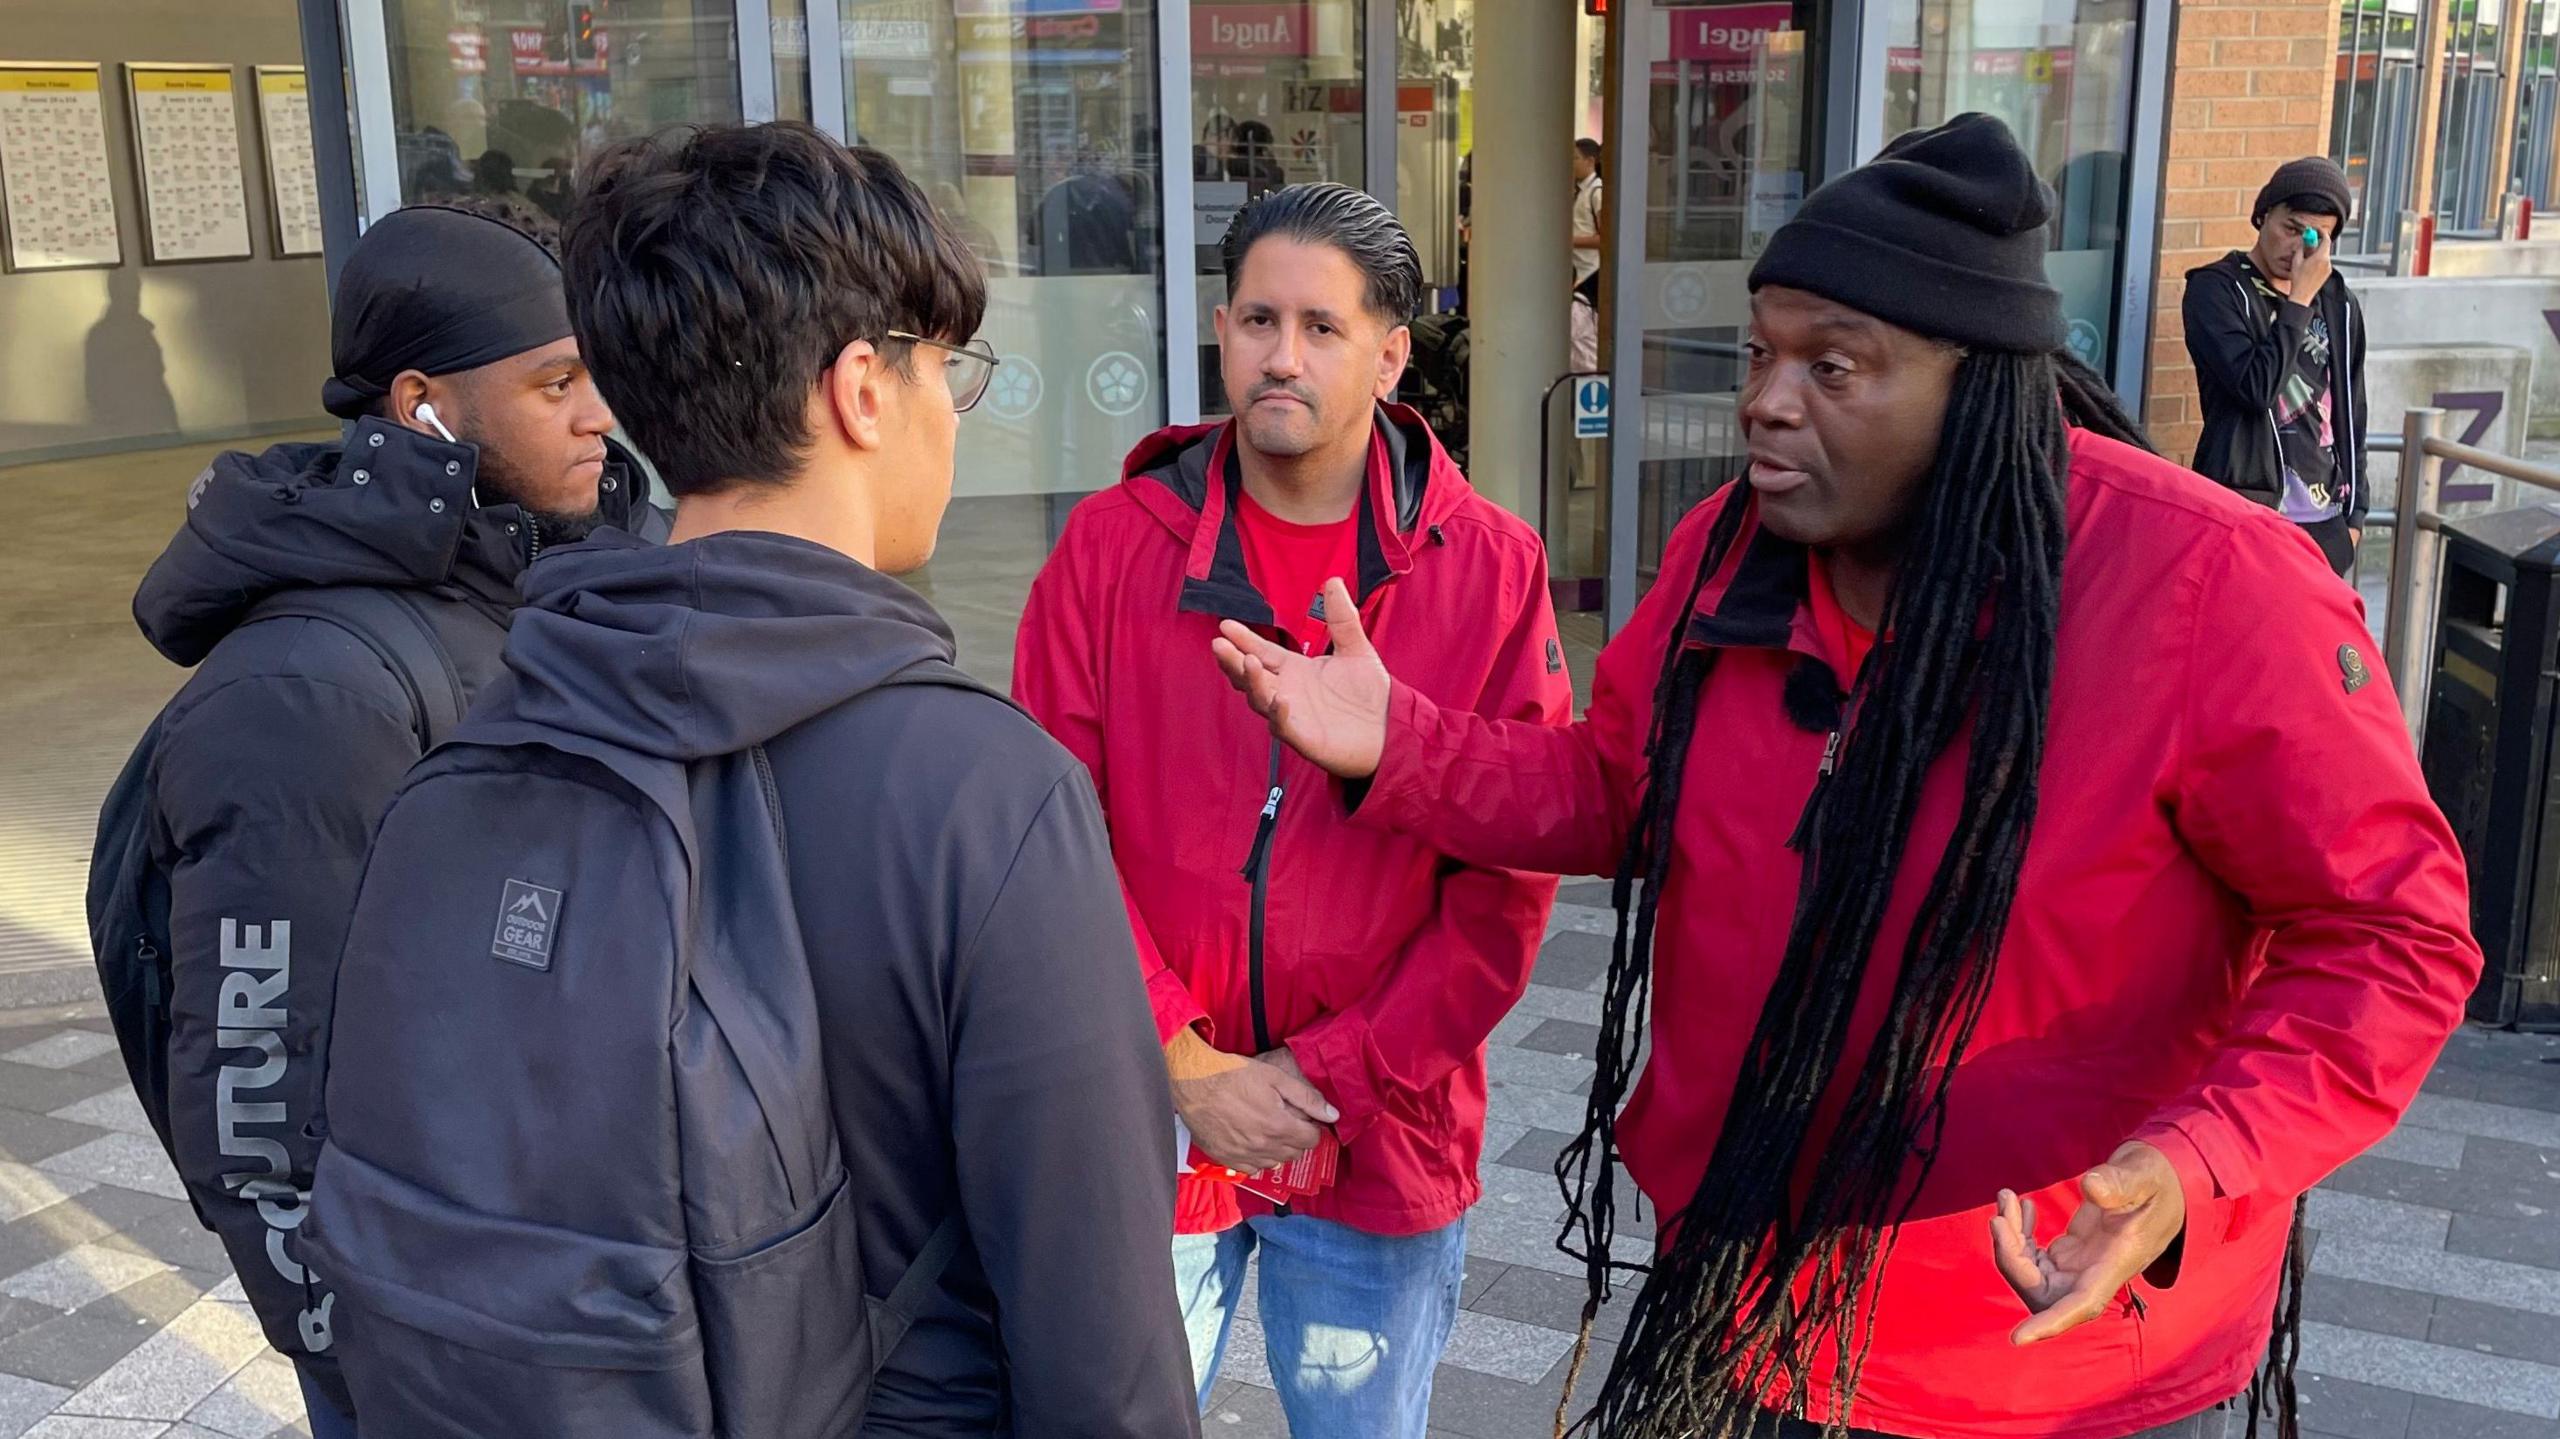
{"points": [[276, 760], [989, 1045]]}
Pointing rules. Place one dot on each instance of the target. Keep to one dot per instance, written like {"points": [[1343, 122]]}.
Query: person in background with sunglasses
{"points": [[1323, 991], [789, 327]]}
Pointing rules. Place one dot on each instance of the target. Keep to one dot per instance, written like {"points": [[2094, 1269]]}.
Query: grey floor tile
{"points": [[1536, 1151], [1588, 894], [2517, 1241], [2507, 1159], [127, 1161], [2419, 1368], [2458, 1276], [2328, 1299], [26, 1138], [1249, 1412], [2352, 1409], [98, 1213], [1491, 1344], [177, 1368], [2432, 1418], [1484, 1406], [2494, 1329], [2411, 1144], [80, 1275], [2466, 1190], [1571, 961], [2487, 1120], [2387, 1221], [1554, 1301], [71, 1350], [42, 1091], [1548, 1002], [1537, 1107], [177, 1237], [1538, 1070], [1481, 1275], [24, 1401], [25, 1190], [258, 1400], [62, 1049], [82, 1426], [1563, 1036], [118, 1110]]}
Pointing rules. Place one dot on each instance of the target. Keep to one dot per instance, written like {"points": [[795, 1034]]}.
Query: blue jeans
{"points": [[326, 1419], [1353, 1322]]}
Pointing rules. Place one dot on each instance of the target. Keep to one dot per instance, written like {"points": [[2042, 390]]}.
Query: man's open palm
{"points": [[2131, 1210], [1332, 710]]}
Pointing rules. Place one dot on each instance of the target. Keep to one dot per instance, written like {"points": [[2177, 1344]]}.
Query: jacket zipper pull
{"points": [[1821, 781], [1262, 832]]}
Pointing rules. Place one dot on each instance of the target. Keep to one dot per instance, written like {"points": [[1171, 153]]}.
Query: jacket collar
{"points": [[1190, 478]]}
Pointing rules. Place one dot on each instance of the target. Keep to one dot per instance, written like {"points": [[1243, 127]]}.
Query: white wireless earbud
{"points": [[427, 413]]}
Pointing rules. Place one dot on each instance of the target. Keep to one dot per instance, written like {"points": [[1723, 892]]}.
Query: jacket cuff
{"points": [[2206, 1210], [1399, 793], [1175, 1008], [1333, 1054]]}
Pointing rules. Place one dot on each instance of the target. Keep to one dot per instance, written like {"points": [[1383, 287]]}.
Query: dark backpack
{"points": [[128, 887], [582, 1177]]}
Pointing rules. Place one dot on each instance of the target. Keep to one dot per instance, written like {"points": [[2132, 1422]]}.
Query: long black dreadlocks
{"points": [[1748, 1287]]}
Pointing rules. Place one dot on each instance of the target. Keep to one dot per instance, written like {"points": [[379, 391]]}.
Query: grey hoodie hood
{"points": [[385, 507], [683, 652]]}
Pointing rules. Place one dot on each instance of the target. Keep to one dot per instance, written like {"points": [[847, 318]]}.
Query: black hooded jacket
{"points": [[2244, 350], [275, 762], [989, 1048]]}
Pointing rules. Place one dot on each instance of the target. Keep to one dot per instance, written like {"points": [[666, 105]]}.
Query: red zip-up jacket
{"points": [[2241, 934], [1380, 962]]}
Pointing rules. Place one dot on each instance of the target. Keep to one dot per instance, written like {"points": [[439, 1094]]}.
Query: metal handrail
{"points": [[2417, 554]]}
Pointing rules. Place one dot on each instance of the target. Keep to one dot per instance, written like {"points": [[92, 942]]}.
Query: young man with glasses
{"points": [[788, 322]]}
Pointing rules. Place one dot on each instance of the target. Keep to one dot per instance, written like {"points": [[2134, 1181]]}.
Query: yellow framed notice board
{"points": [[57, 186], [186, 146]]}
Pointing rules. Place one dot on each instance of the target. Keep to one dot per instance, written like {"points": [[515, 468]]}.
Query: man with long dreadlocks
{"points": [[2047, 892]]}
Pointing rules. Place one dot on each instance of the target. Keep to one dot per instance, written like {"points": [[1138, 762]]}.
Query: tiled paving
{"points": [[2434, 1306]]}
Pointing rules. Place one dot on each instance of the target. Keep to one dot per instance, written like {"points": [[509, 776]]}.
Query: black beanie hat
{"points": [[2310, 175], [1943, 234]]}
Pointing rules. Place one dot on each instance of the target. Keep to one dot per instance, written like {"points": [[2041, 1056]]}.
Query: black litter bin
{"points": [[2489, 750]]}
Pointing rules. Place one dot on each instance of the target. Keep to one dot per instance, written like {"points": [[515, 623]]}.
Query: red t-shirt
{"points": [[1845, 642], [1290, 562]]}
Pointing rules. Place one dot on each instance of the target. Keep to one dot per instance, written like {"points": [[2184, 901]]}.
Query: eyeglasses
{"points": [[965, 368]]}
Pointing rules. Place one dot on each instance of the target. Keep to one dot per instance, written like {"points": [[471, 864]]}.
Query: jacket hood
{"points": [[683, 652], [1413, 487], [385, 507]]}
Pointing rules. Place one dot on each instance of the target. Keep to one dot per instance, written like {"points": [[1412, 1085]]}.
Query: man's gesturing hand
{"points": [[1332, 710], [2131, 1210], [1244, 1113]]}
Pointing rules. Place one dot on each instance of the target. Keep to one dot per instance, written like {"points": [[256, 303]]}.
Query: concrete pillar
{"points": [[1519, 263], [2431, 67]]}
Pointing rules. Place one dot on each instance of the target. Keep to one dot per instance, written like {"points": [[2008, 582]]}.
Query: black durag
{"points": [[439, 291]]}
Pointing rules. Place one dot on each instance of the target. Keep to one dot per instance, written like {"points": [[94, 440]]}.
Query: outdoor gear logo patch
{"points": [[1555, 656], [528, 915], [2351, 665]]}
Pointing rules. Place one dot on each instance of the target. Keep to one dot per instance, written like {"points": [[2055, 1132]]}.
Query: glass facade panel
{"points": [[1034, 124], [1733, 143], [1276, 99], [2061, 72], [504, 96]]}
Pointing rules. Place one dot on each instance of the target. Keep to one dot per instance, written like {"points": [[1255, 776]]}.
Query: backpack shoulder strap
{"points": [[389, 624], [907, 1300]]}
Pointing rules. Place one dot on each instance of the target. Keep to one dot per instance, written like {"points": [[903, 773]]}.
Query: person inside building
{"points": [[2278, 342], [1323, 993], [2026, 875], [341, 603], [1585, 329], [788, 323]]}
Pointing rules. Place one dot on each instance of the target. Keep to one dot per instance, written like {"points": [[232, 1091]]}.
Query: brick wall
{"points": [[2251, 88]]}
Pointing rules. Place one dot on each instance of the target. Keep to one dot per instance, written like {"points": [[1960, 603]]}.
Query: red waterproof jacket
{"points": [[2241, 934], [1379, 961]]}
